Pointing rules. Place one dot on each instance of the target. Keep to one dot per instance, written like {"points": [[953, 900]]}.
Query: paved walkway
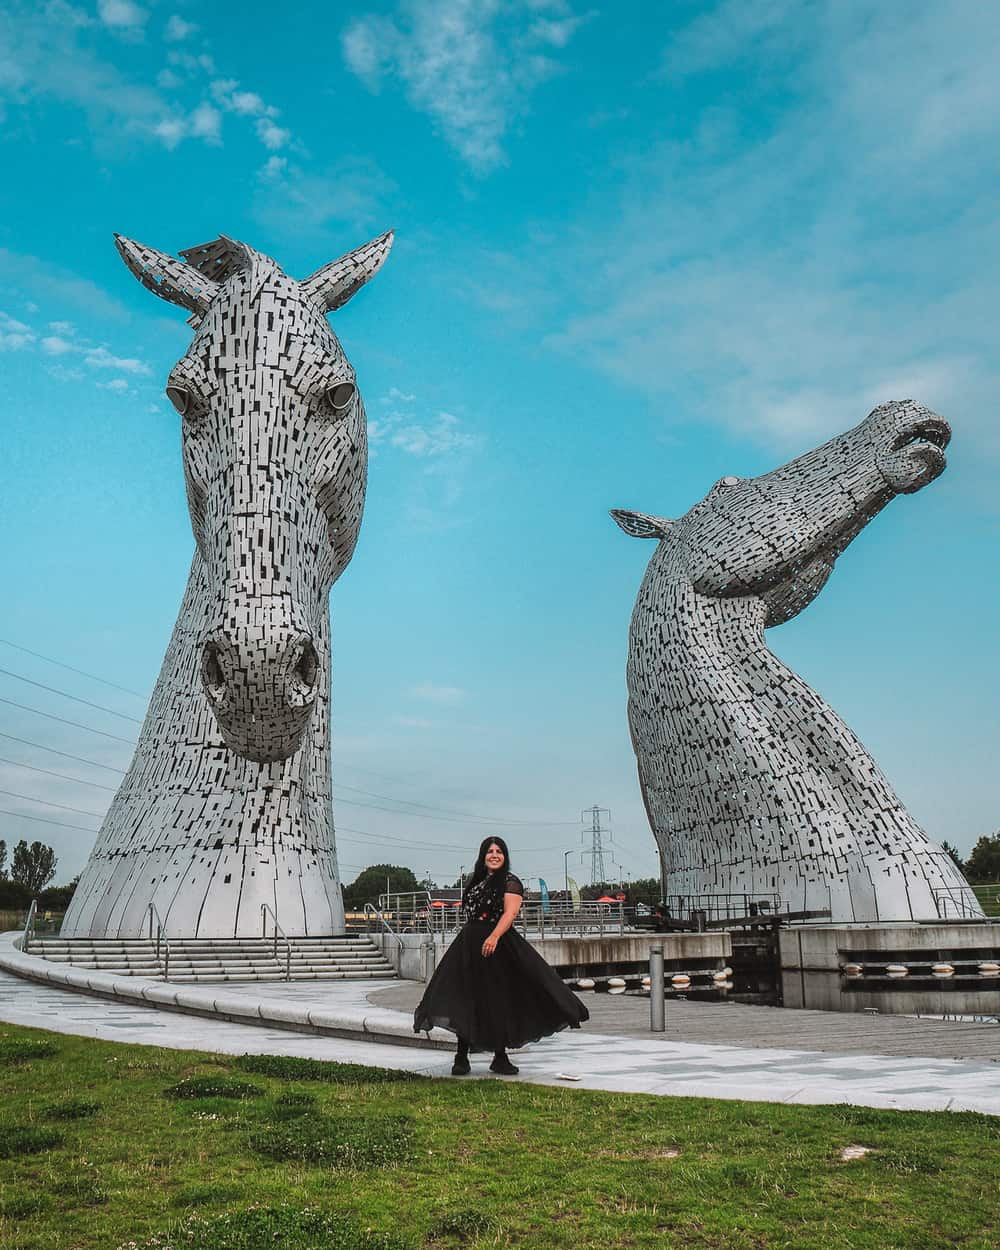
{"points": [[597, 1060], [691, 1020]]}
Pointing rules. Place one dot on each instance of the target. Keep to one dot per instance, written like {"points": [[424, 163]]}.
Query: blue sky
{"points": [[639, 246]]}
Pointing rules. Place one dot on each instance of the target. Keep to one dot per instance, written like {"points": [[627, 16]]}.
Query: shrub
{"points": [[338, 1141], [73, 1109], [271, 1228], [19, 1139], [291, 1068], [14, 1050], [212, 1087]]}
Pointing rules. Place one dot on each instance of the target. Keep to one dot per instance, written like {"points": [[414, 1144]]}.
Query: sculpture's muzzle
{"points": [[261, 688], [915, 453]]}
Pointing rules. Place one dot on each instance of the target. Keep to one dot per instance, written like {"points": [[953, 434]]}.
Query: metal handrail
{"points": [[29, 926], [264, 909], [161, 938], [372, 910]]}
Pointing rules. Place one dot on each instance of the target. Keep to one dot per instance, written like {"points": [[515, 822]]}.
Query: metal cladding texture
{"points": [[752, 783], [227, 804]]}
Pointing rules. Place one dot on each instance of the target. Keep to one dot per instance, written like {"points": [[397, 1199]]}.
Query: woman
{"points": [[491, 988]]}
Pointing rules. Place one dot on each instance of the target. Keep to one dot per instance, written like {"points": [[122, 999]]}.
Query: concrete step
{"points": [[218, 959]]}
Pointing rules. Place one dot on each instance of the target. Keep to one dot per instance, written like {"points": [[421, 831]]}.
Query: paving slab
{"points": [[627, 1063], [688, 1020]]}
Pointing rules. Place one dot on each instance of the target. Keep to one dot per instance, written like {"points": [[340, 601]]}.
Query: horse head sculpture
{"points": [[752, 783], [275, 458]]}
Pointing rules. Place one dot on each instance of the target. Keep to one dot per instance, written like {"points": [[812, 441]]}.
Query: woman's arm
{"points": [[511, 906]]}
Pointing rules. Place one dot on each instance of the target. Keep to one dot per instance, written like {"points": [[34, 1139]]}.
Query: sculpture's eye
{"points": [[730, 481], [340, 395], [180, 397]]}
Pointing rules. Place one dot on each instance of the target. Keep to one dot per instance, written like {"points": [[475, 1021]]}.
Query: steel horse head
{"points": [[275, 458]]}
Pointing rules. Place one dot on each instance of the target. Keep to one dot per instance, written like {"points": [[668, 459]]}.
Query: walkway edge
{"points": [[377, 1024]]}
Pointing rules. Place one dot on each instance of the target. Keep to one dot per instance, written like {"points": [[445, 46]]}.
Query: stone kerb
{"points": [[355, 1021]]}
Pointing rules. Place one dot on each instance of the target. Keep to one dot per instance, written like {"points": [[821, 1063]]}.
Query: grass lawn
{"points": [[105, 1146]]}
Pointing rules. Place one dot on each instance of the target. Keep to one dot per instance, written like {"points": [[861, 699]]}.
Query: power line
{"points": [[65, 754], [41, 820], [28, 798], [49, 773], [65, 695], [62, 720], [49, 660], [493, 820]]}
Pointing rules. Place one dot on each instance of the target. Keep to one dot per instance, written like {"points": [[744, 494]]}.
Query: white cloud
{"points": [[56, 345], [62, 327], [244, 103], [273, 137], [117, 385], [438, 694], [121, 14], [177, 28], [273, 168], [171, 130], [101, 358], [14, 334], [439, 438], [205, 123], [471, 65]]}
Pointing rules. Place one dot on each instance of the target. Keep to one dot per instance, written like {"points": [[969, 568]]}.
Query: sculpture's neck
{"points": [[179, 723], [700, 667]]}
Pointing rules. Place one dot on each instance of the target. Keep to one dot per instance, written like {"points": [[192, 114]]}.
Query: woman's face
{"points": [[494, 857]]}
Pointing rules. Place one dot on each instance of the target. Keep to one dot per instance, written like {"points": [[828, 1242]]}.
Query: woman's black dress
{"points": [[498, 1001]]}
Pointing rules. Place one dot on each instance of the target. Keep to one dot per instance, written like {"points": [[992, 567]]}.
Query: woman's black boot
{"points": [[461, 1065], [502, 1065]]}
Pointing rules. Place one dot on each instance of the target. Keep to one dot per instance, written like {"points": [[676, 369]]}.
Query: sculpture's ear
{"points": [[641, 525], [333, 285], [167, 277]]}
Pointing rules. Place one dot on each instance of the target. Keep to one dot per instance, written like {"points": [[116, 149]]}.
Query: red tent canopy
{"points": [[606, 898]]}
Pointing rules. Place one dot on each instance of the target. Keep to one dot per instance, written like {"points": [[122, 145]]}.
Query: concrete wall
{"points": [[811, 959], [575, 956]]}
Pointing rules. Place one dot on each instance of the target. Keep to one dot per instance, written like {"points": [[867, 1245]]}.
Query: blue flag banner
{"points": [[544, 891]]}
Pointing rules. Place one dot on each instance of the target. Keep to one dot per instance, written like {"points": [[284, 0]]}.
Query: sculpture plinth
{"points": [[227, 805], [752, 783]]}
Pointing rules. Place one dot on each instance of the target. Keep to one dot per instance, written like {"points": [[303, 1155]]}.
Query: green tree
{"points": [[953, 852], [368, 885], [57, 897], [984, 863], [33, 866]]}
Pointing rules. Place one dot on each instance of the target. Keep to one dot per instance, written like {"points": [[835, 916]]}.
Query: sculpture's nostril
{"points": [[306, 668], [211, 671]]}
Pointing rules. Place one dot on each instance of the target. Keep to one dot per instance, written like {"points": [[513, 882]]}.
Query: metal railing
{"points": [[957, 902], [722, 906], [161, 940], [265, 909], [375, 913], [29, 926], [560, 917], [420, 912]]}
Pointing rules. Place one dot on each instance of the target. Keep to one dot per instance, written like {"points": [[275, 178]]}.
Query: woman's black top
{"points": [[480, 904]]}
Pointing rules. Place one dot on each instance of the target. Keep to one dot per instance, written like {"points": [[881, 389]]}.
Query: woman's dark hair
{"points": [[480, 871]]}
